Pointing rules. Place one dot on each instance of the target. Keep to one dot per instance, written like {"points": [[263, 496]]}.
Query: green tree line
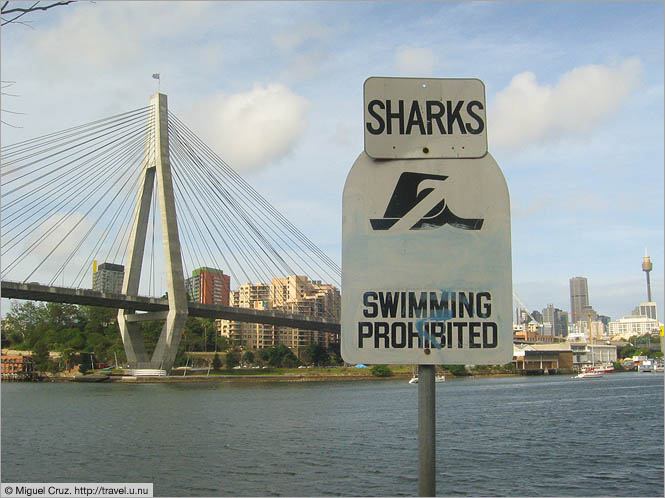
{"points": [[71, 329]]}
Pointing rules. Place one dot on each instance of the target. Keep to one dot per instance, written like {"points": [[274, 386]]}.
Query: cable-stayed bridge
{"points": [[140, 189]]}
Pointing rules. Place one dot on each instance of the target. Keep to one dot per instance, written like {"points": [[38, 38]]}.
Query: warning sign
{"points": [[426, 262], [414, 118]]}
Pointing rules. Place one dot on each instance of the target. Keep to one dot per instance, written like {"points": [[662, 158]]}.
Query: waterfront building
{"points": [[16, 366], [293, 294], [628, 326], [550, 357], [209, 286], [107, 277], [589, 353]]}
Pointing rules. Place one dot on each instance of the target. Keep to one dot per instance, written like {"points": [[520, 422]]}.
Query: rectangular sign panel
{"points": [[424, 118], [426, 263]]}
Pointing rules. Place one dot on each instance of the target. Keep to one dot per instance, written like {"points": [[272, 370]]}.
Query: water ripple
{"points": [[547, 436]]}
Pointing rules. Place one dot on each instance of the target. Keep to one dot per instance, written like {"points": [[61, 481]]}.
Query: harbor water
{"points": [[497, 436]]}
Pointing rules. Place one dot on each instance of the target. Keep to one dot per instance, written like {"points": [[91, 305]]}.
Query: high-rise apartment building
{"points": [[107, 277], [294, 294], [209, 286], [579, 299]]}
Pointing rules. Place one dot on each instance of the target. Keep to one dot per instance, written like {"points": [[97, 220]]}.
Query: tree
{"points": [[232, 359], [456, 370], [335, 360], [67, 356], [223, 343], [315, 354], [26, 321], [40, 356], [280, 356], [381, 371], [216, 362], [628, 351], [12, 14], [248, 357]]}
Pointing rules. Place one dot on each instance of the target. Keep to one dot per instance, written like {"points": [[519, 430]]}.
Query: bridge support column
{"points": [[156, 162]]}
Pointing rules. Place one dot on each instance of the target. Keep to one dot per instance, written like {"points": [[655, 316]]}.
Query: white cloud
{"points": [[415, 61], [294, 38], [88, 36], [526, 112], [248, 130]]}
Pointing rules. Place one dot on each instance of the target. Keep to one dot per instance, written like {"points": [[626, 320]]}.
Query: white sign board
{"points": [[424, 118], [426, 263]]}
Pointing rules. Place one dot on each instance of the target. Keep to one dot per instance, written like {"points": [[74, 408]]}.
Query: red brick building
{"points": [[209, 286], [17, 366]]}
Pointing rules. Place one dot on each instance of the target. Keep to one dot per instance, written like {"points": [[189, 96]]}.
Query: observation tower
{"points": [[647, 267]]}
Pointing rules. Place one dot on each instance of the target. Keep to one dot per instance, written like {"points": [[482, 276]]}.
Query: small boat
{"points": [[438, 378], [604, 369], [589, 375], [645, 366]]}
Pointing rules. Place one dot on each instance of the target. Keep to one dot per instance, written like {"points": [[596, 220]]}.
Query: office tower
{"points": [[107, 277], [648, 310], [558, 320], [209, 286], [579, 299]]}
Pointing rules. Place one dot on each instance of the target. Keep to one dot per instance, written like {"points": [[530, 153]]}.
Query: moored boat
{"points": [[438, 378]]}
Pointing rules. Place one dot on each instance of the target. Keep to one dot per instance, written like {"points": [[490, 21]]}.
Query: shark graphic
{"points": [[418, 202]]}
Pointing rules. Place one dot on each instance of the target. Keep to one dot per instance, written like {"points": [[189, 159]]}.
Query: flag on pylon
{"points": [[156, 76]]}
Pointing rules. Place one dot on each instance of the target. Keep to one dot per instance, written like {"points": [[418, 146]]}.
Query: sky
{"points": [[574, 96]]}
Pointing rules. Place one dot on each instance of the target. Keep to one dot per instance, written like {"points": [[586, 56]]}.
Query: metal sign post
{"points": [[426, 431], [426, 252]]}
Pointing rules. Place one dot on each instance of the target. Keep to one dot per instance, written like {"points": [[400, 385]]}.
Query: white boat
{"points": [[438, 378], [589, 375], [604, 369], [645, 366]]}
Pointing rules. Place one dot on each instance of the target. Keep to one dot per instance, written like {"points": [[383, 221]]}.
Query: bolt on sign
{"points": [[426, 259], [423, 118]]}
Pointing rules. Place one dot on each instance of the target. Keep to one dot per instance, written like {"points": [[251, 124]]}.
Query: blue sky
{"points": [[574, 94]]}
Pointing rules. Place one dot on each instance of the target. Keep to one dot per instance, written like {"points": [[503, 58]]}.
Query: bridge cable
{"points": [[230, 173], [57, 192], [214, 179]]}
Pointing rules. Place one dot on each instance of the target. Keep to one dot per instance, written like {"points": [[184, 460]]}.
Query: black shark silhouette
{"points": [[406, 196]]}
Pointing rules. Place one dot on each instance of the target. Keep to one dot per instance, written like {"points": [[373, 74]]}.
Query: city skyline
{"points": [[575, 116]]}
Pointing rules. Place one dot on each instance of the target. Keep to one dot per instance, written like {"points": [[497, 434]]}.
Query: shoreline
{"points": [[286, 377]]}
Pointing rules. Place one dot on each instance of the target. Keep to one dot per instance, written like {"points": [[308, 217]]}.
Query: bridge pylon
{"points": [[156, 162]]}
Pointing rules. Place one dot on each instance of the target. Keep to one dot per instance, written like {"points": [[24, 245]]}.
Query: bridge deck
{"points": [[38, 292]]}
